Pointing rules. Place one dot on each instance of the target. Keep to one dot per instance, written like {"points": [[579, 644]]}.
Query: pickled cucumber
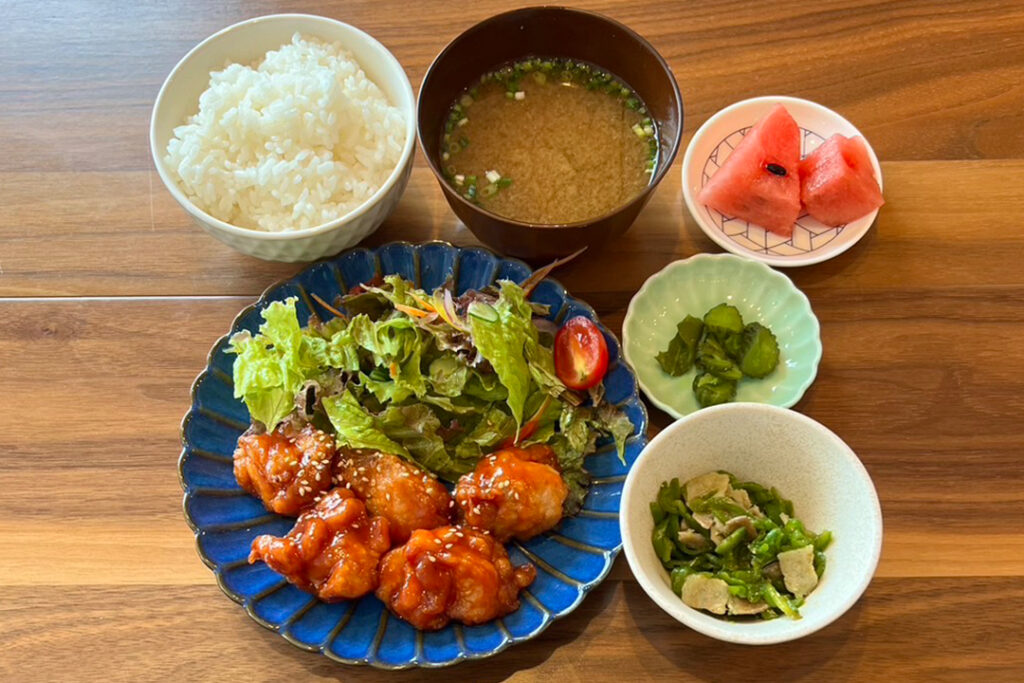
{"points": [[724, 351]]}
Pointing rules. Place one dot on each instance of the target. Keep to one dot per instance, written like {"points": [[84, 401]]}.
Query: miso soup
{"points": [[549, 141]]}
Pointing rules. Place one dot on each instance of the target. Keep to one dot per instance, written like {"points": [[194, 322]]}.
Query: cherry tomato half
{"points": [[581, 354]]}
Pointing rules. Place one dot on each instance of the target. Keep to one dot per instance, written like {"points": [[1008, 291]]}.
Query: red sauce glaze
{"points": [[513, 493], [287, 469], [451, 573], [410, 498], [332, 551]]}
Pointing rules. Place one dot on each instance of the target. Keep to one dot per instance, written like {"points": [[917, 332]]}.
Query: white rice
{"points": [[295, 141]]}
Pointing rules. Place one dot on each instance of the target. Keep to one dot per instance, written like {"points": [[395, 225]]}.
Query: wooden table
{"points": [[111, 299]]}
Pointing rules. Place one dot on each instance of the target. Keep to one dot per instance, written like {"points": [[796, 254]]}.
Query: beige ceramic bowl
{"points": [[246, 42], [810, 465]]}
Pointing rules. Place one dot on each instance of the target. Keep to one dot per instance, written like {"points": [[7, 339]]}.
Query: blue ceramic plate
{"points": [[571, 559]]}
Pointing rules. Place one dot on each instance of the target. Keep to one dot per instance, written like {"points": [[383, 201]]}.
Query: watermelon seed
{"points": [[776, 169]]}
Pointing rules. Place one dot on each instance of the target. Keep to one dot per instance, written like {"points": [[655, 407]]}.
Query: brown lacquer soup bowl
{"points": [[554, 32]]}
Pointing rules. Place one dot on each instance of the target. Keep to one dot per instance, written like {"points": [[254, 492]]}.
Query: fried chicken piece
{"points": [[409, 497], [451, 573], [513, 493], [332, 551], [287, 468]]}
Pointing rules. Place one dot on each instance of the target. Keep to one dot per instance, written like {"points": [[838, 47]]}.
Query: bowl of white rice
{"points": [[288, 137]]}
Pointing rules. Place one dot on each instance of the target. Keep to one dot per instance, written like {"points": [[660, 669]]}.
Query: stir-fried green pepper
{"points": [[718, 536]]}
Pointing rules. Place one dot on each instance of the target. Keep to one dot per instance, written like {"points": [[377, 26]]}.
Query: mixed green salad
{"points": [[437, 379], [734, 547]]}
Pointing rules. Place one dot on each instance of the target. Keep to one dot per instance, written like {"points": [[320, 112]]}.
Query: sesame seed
{"points": [[431, 558], [451, 503]]}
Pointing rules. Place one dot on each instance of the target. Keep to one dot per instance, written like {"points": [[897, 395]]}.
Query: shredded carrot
{"points": [[409, 310], [422, 302], [326, 305], [393, 370], [528, 429]]}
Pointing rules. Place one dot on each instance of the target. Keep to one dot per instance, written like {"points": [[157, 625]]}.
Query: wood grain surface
{"points": [[110, 300]]}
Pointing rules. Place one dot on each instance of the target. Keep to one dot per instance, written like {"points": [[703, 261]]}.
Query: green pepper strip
{"points": [[657, 512], [779, 601], [731, 542]]}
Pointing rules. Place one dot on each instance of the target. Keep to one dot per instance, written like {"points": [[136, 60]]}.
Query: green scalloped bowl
{"points": [[694, 285]]}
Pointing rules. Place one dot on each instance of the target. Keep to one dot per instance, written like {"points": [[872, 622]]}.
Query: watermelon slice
{"points": [[760, 181], [837, 182]]}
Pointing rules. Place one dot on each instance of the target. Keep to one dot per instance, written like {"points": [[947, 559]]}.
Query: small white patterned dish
{"points": [[809, 464], [812, 242]]}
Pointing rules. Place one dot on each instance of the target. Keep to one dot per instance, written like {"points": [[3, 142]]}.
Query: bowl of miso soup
{"points": [[548, 129]]}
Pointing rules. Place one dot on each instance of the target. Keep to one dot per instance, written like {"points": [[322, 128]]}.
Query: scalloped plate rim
{"points": [[748, 262], [608, 554]]}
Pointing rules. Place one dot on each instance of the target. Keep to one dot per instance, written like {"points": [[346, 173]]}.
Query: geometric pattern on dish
{"points": [[571, 559], [808, 233], [694, 285]]}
